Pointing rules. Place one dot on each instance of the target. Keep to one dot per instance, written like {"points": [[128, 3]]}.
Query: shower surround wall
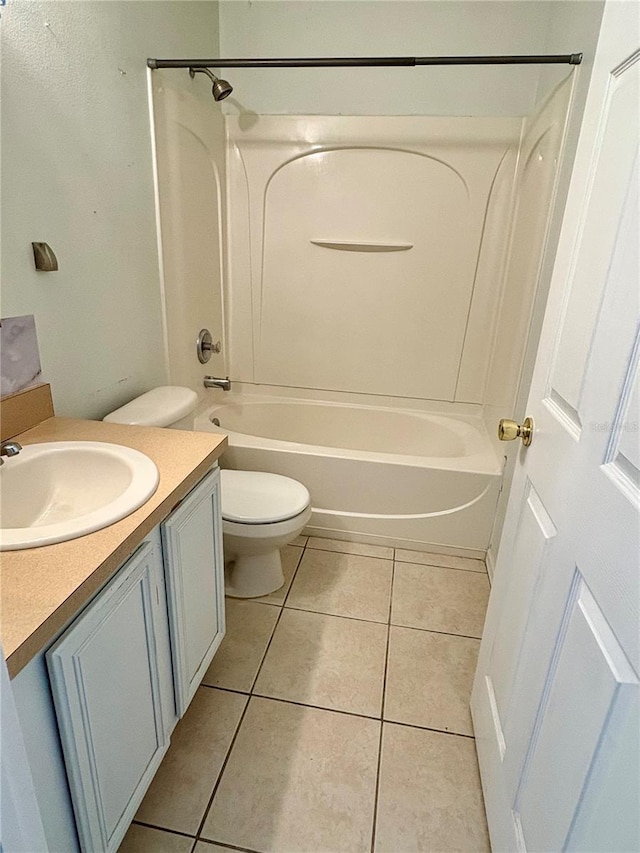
{"points": [[388, 262], [524, 283], [365, 255], [363, 252], [391, 261], [189, 149]]}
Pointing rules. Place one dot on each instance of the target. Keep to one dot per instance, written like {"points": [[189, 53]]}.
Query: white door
{"points": [[556, 697]]}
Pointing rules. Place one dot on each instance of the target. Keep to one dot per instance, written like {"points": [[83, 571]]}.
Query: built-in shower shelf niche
{"points": [[362, 246]]}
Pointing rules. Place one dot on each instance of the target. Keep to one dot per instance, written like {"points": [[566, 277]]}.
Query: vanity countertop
{"points": [[43, 588]]}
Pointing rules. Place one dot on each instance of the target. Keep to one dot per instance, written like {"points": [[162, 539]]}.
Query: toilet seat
{"points": [[255, 497]]}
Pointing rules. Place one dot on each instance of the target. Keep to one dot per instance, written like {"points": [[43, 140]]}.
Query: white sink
{"points": [[61, 490]]}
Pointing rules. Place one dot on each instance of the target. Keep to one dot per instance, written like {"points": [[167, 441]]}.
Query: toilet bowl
{"points": [[261, 513]]}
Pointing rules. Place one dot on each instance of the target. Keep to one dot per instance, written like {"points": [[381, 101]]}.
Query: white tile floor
{"points": [[334, 716]]}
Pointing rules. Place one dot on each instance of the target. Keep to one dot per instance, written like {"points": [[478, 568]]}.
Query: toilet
{"points": [[261, 512]]}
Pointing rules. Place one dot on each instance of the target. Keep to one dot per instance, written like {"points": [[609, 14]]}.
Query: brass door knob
{"points": [[510, 430]]}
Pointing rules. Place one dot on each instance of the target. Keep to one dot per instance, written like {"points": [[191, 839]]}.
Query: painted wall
{"points": [[77, 173], [573, 25], [391, 28]]}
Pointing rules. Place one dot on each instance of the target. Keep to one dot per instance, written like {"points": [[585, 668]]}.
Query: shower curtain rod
{"points": [[353, 61]]}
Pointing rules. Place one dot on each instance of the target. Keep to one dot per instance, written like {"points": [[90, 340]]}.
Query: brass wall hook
{"points": [[44, 257]]}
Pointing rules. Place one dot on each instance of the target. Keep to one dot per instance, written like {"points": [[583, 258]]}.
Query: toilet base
{"points": [[253, 575]]}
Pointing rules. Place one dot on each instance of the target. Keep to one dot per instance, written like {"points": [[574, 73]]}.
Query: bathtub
{"points": [[399, 477]]}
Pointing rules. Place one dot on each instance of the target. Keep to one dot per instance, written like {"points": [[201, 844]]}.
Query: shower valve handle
{"points": [[205, 346]]}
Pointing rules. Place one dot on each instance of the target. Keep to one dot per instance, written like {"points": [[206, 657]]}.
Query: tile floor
{"points": [[334, 716]]}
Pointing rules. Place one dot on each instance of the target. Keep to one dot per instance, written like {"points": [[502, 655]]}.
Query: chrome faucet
{"points": [[213, 382], [9, 448]]}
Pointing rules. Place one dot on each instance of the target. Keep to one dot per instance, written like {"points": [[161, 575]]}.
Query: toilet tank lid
{"points": [[159, 407]]}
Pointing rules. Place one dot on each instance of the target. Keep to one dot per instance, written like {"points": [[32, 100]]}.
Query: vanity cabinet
{"points": [[121, 674], [192, 544], [105, 679]]}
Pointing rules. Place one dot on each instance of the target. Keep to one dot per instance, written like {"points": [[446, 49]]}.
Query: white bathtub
{"points": [[393, 476]]}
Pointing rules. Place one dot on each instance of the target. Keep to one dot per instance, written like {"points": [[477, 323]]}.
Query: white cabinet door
{"points": [[107, 691], [556, 699], [194, 571]]}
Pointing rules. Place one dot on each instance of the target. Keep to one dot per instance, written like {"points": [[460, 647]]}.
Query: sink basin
{"points": [[60, 490]]}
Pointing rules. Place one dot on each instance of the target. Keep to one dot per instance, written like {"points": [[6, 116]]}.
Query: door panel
{"points": [[608, 186], [561, 650], [535, 535], [613, 779], [587, 661]]}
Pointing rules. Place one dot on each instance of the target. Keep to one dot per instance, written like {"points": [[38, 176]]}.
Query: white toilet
{"points": [[261, 513]]}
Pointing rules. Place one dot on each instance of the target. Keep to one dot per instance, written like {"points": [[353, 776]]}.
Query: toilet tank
{"points": [[166, 406]]}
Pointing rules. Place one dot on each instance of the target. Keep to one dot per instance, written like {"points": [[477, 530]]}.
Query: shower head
{"points": [[220, 89]]}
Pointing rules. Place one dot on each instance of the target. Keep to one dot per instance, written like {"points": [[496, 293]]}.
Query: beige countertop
{"points": [[43, 588]]}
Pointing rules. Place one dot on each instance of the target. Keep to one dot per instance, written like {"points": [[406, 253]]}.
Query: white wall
{"points": [[385, 28], [573, 26], [77, 173]]}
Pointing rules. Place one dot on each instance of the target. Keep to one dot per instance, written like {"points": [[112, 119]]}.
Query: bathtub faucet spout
{"points": [[214, 382]]}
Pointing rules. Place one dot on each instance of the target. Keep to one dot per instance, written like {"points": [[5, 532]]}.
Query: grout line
{"points": [[377, 792], [437, 566], [266, 651], [427, 729], [375, 622], [317, 707], [277, 622], [433, 631], [163, 829], [227, 846], [337, 615], [384, 698], [380, 718], [233, 740], [351, 553], [222, 769], [227, 689], [482, 571], [295, 572], [257, 601]]}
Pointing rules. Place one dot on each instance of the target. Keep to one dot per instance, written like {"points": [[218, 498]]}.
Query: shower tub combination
{"points": [[391, 476]]}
